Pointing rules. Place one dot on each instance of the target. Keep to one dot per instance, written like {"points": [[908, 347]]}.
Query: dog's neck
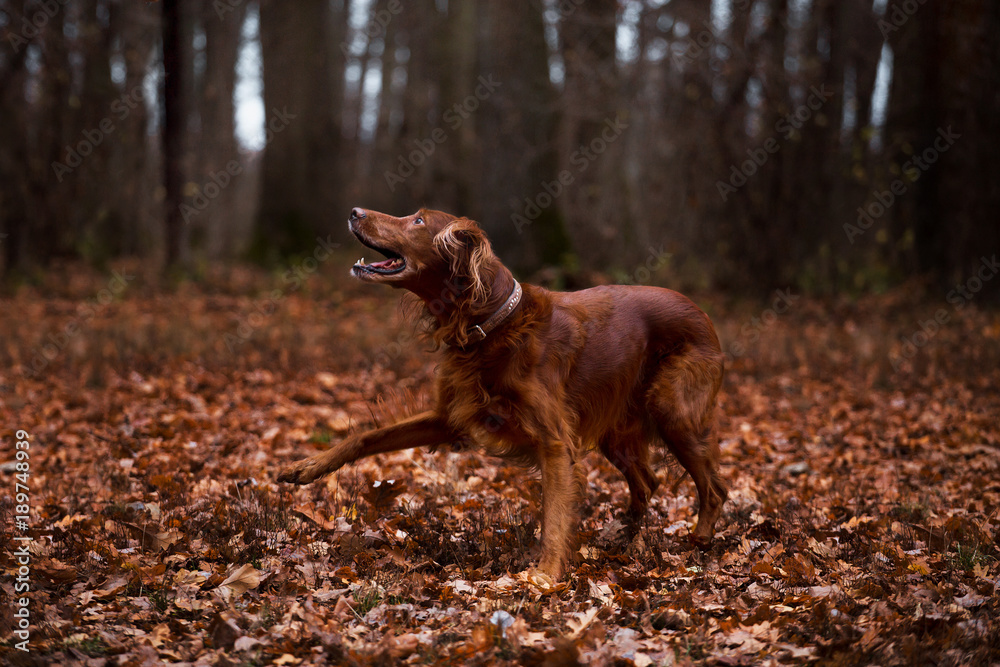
{"points": [[500, 291], [453, 311]]}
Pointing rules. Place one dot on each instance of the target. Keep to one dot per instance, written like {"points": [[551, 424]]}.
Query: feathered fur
{"points": [[614, 368]]}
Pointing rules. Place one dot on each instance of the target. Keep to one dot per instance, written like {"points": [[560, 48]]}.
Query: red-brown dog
{"points": [[540, 376]]}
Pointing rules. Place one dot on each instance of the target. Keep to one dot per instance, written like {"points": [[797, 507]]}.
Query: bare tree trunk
{"points": [[301, 193], [96, 231], [591, 125], [967, 195], [409, 174], [371, 37], [218, 132], [137, 26], [521, 193], [380, 156], [14, 157], [913, 113], [176, 108]]}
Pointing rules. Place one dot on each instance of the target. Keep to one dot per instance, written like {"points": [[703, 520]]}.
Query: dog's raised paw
{"points": [[300, 472]]}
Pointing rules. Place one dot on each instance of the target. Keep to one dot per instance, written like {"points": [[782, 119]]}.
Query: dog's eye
{"points": [[418, 221]]}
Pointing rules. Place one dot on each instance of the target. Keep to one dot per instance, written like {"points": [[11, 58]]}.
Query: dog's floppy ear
{"points": [[469, 254]]}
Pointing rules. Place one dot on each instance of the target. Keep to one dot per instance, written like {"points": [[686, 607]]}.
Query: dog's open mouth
{"points": [[387, 267]]}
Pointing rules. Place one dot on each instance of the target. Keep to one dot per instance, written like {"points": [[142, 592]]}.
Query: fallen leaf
{"points": [[240, 581], [579, 621]]}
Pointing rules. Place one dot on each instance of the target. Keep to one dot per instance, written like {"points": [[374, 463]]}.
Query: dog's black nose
{"points": [[358, 213]]}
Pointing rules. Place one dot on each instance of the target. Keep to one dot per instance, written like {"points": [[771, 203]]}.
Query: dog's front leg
{"points": [[558, 507], [424, 429]]}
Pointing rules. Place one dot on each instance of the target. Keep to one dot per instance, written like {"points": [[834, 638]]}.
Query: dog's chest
{"points": [[486, 409]]}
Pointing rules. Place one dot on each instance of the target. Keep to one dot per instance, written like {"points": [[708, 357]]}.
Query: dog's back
{"points": [[638, 343]]}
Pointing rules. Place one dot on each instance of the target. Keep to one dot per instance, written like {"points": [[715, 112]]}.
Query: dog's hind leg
{"points": [[681, 401], [699, 455], [628, 450]]}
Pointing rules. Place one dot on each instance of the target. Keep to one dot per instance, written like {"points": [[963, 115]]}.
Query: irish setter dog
{"points": [[540, 376]]}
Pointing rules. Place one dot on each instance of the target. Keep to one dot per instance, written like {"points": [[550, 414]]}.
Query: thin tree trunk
{"points": [[14, 157], [422, 25], [218, 138], [517, 130], [301, 195], [176, 107], [386, 144], [138, 27], [597, 217]]}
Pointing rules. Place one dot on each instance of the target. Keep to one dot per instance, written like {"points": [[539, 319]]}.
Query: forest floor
{"points": [[862, 524]]}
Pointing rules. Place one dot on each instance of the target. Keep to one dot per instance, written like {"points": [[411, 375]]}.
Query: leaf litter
{"points": [[862, 524]]}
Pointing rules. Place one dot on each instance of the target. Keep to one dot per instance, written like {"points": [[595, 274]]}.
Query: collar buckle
{"points": [[480, 331]]}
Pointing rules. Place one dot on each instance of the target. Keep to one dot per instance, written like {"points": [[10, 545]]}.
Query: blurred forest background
{"points": [[830, 144]]}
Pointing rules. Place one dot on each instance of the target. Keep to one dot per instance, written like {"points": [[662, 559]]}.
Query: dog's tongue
{"points": [[386, 264]]}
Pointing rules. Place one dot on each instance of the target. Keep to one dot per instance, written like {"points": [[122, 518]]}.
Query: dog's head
{"points": [[431, 253]]}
